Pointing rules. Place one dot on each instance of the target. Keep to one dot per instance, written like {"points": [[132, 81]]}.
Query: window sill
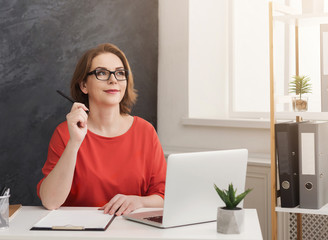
{"points": [[262, 160], [229, 122], [257, 123]]}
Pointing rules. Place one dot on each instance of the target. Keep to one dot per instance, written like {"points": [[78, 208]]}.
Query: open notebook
{"points": [[75, 219]]}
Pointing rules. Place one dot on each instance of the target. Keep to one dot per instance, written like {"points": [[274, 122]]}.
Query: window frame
{"points": [[232, 113]]}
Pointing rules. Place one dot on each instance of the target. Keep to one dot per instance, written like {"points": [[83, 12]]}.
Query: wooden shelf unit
{"points": [[289, 16]]}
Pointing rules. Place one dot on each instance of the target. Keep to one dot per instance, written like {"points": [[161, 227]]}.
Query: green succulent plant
{"points": [[229, 196], [300, 85]]}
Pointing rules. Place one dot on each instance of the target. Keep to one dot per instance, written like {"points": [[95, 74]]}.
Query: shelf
{"points": [[302, 20], [322, 211], [228, 122], [292, 16]]}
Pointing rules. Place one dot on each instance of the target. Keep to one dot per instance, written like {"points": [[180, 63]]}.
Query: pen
{"points": [[68, 98]]}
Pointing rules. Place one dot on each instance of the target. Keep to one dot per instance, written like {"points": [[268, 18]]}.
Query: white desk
{"points": [[124, 229]]}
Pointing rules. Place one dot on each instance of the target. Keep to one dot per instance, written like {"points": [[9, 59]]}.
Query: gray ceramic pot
{"points": [[230, 221]]}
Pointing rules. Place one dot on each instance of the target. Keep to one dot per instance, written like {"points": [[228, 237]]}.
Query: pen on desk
{"points": [[68, 98]]}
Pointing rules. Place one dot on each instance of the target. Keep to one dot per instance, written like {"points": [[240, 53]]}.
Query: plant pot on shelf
{"points": [[230, 221], [300, 104]]}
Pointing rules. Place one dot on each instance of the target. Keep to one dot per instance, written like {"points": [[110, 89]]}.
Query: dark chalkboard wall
{"points": [[40, 43]]}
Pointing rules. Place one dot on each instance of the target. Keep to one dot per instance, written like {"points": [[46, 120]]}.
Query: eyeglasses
{"points": [[104, 74]]}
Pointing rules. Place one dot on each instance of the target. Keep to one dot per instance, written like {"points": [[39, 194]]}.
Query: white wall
{"points": [[173, 76]]}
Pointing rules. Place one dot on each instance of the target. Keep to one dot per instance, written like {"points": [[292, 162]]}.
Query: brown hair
{"points": [[83, 67]]}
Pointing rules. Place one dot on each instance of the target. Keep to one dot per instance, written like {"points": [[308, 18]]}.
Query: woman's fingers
{"points": [[80, 108], [77, 117], [121, 204], [114, 204], [124, 207], [77, 120], [78, 105], [83, 118]]}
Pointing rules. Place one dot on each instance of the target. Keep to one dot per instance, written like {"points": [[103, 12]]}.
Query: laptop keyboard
{"points": [[158, 219]]}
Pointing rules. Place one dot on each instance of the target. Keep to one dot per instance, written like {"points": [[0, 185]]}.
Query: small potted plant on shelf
{"points": [[300, 86], [230, 219]]}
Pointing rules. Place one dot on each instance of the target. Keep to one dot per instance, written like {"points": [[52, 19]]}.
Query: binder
{"points": [[313, 159], [287, 158]]}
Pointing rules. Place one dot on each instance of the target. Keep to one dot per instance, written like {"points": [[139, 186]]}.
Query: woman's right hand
{"points": [[77, 120]]}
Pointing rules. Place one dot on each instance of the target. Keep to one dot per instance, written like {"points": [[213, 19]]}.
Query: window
{"points": [[208, 86], [229, 59], [249, 70]]}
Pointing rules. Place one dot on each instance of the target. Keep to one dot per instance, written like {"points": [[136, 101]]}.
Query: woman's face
{"points": [[106, 93]]}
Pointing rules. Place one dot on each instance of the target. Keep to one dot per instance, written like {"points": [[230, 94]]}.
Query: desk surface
{"points": [[124, 229]]}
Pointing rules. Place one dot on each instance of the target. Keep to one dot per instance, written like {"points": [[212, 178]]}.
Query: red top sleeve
{"points": [[131, 164], [56, 148]]}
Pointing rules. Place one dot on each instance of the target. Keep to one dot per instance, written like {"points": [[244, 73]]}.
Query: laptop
{"points": [[190, 196]]}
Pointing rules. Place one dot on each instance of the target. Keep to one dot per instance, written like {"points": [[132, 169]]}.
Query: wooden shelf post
{"points": [[272, 130]]}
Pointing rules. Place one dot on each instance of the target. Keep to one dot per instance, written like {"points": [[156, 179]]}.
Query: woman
{"points": [[102, 156]]}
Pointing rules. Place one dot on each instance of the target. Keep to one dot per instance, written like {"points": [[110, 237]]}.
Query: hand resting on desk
{"points": [[125, 204]]}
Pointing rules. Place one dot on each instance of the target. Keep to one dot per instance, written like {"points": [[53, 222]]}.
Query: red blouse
{"points": [[130, 164]]}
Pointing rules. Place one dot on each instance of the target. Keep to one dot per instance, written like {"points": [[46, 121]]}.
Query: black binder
{"points": [[288, 165]]}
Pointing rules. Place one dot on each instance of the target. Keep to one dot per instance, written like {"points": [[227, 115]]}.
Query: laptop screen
{"points": [[190, 196]]}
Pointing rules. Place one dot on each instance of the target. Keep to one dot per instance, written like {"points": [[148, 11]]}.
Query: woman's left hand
{"points": [[122, 204]]}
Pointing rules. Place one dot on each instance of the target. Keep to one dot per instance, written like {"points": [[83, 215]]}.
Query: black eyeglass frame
{"points": [[110, 73]]}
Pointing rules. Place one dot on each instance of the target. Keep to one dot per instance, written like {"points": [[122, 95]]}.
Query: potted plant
{"points": [[300, 86], [230, 219]]}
